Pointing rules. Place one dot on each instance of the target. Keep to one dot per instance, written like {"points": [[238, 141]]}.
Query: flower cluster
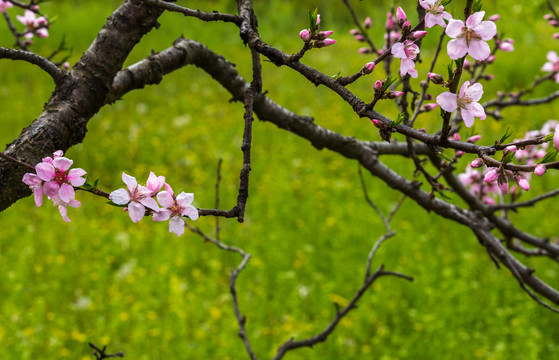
{"points": [[315, 38], [140, 200], [56, 180], [34, 25]]}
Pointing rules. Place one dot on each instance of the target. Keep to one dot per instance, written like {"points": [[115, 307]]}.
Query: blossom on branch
{"points": [[434, 13], [137, 197], [34, 24], [466, 100], [470, 38], [174, 208], [407, 51], [552, 65], [5, 5]]}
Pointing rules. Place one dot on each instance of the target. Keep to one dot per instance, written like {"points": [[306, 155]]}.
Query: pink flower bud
{"points": [[305, 35], [416, 35], [324, 34], [389, 26], [429, 107], [466, 64], [380, 52], [377, 123], [476, 163], [503, 184], [394, 94], [368, 68], [474, 139], [364, 50], [494, 18], [540, 169], [553, 23], [354, 32], [400, 16], [378, 85], [555, 36], [368, 22], [317, 19], [506, 46], [325, 42], [456, 137], [435, 78], [66, 65], [509, 149], [522, 182], [556, 138], [459, 153], [548, 16], [406, 27], [359, 38], [491, 175]]}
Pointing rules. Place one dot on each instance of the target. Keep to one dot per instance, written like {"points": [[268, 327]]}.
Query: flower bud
{"points": [[368, 68], [401, 16], [364, 50], [555, 36], [509, 149], [394, 94], [416, 35], [378, 85], [491, 175], [503, 184], [324, 34], [359, 38], [389, 26], [494, 17], [325, 42], [317, 19], [490, 59], [406, 27], [506, 46], [429, 107], [66, 65], [522, 182], [377, 123], [354, 32], [435, 78], [305, 35], [368, 22], [540, 169], [476, 163], [553, 23], [556, 138], [455, 136], [474, 139], [548, 16]]}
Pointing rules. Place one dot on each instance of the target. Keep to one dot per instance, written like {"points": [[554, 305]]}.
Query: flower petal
{"points": [[176, 225], [456, 48], [130, 182], [447, 101], [479, 50], [51, 188], [467, 116], [474, 92], [66, 193], [38, 194], [45, 171], [62, 163], [191, 212], [398, 50], [486, 30], [63, 211], [185, 199], [149, 202], [162, 215], [136, 211], [454, 28], [475, 19], [120, 197], [75, 177], [165, 199], [31, 179]]}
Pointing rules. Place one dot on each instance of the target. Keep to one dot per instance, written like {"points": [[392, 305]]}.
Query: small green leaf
{"points": [[549, 156], [477, 6], [113, 204], [445, 2], [459, 63], [95, 183], [444, 157], [508, 158], [398, 121], [336, 75], [507, 134], [549, 137], [387, 83], [450, 70]]}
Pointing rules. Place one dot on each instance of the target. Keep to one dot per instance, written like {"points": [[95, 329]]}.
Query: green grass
{"points": [[142, 290]]}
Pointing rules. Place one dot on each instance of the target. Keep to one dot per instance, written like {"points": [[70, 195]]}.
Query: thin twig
{"points": [[204, 16]]}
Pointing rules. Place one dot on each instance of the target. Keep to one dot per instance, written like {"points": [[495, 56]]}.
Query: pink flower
{"points": [[406, 51], [470, 38], [175, 207], [5, 5], [467, 101], [36, 185], [59, 179], [435, 14], [552, 65], [137, 197], [540, 169]]}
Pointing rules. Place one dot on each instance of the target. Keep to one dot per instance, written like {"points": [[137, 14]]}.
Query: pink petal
{"points": [[130, 182], [547, 66], [464, 89], [477, 110], [447, 101], [176, 225], [479, 50], [165, 199], [155, 183], [38, 194], [398, 50], [475, 19], [474, 92], [66, 193], [31, 179], [556, 138], [454, 28], [136, 211], [456, 48], [62, 163], [552, 56], [75, 177], [467, 116], [162, 215], [120, 197], [75, 203], [63, 211], [486, 30], [45, 171], [51, 188], [149, 202], [191, 212], [185, 199]]}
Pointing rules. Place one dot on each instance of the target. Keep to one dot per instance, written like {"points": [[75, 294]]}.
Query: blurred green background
{"points": [[140, 289]]}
